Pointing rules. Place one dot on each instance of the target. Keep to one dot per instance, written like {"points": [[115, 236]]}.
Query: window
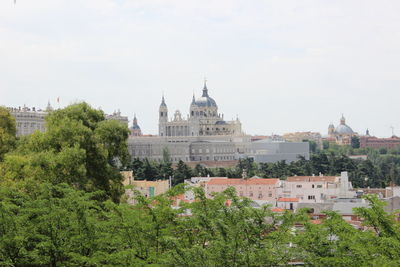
{"points": [[312, 186], [269, 194], [319, 186], [251, 194], [311, 197], [299, 186]]}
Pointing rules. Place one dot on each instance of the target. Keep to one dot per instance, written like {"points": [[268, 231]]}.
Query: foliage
{"points": [[79, 147], [7, 132], [355, 142]]}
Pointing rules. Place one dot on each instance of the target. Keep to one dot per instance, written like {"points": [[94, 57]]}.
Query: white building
{"points": [[316, 189]]}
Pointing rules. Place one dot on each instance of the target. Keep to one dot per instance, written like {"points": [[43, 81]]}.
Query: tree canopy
{"points": [[7, 132], [79, 147]]}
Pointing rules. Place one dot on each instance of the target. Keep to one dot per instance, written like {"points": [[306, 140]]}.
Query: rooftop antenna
{"points": [[391, 127]]}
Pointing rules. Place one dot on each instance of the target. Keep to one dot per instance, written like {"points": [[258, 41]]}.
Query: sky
{"points": [[279, 65]]}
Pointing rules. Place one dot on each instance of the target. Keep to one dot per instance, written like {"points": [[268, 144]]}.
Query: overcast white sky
{"points": [[282, 66]]}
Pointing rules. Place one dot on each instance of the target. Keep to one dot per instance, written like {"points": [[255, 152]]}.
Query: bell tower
{"points": [[162, 118]]}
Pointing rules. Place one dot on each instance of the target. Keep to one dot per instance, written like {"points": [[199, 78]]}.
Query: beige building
{"points": [[146, 188], [302, 136], [257, 189]]}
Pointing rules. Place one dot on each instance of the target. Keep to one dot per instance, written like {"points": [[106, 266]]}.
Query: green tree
{"points": [[7, 132], [165, 169], [79, 147], [181, 173], [355, 142]]}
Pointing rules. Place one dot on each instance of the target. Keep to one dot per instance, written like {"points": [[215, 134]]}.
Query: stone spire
{"points": [[49, 107], [163, 102], [205, 90]]}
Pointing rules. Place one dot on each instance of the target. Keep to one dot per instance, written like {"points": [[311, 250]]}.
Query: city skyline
{"points": [[271, 63]]}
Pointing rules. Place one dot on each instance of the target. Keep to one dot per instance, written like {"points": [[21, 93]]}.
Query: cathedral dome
{"points": [[343, 129], [205, 100]]}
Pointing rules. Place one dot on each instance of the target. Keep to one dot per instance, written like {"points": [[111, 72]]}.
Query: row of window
{"points": [[215, 150], [313, 186]]}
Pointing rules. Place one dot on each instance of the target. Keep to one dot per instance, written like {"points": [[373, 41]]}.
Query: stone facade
{"points": [[189, 148], [206, 137], [203, 119], [29, 120], [203, 136], [116, 115]]}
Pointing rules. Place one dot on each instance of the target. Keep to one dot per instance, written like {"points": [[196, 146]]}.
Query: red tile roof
{"points": [[235, 181], [330, 179], [288, 199], [277, 210]]}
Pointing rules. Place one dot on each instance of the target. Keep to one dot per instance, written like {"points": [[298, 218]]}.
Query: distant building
{"points": [[375, 142], [267, 151], [147, 189], [313, 189], [203, 119], [116, 115], [29, 120], [287, 203], [342, 134], [257, 189], [303, 136], [204, 137], [135, 129]]}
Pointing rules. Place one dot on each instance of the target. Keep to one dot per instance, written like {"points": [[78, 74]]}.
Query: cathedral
{"points": [[342, 134], [203, 135], [203, 119]]}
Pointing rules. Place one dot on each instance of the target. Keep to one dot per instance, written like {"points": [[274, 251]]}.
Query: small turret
{"points": [[342, 120], [331, 129], [49, 107]]}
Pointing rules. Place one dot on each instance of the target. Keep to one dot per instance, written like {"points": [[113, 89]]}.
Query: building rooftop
{"points": [[251, 181], [288, 199], [330, 179]]}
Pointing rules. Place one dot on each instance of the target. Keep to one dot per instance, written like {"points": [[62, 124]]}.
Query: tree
{"points": [[165, 167], [79, 147], [7, 132], [181, 173], [355, 142], [313, 145]]}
